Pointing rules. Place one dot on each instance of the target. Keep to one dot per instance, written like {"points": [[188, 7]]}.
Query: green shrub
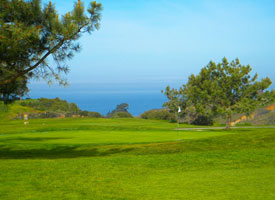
{"points": [[161, 114], [94, 115], [51, 105], [122, 115], [203, 120], [84, 113]]}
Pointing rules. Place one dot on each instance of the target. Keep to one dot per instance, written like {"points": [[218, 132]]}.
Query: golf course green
{"points": [[133, 159]]}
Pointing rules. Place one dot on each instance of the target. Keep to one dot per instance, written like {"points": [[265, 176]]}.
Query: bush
{"points": [[39, 115], [84, 113], [122, 115], [203, 120], [161, 114], [52, 105], [94, 115]]}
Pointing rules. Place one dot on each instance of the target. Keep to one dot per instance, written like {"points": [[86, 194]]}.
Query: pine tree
{"points": [[30, 34], [224, 88]]}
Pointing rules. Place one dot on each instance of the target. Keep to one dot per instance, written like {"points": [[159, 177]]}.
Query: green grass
{"points": [[133, 159]]}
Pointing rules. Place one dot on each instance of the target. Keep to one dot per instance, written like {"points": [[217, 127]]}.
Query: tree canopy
{"points": [[13, 90], [30, 34], [121, 108], [224, 88]]}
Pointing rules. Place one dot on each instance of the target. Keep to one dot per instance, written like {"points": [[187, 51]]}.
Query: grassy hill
{"points": [[261, 116], [51, 105], [42, 108], [13, 111], [103, 159]]}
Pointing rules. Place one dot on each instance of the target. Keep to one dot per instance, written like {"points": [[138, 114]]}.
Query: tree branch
{"points": [[21, 73]]}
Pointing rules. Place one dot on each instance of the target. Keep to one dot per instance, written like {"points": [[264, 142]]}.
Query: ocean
{"points": [[105, 98]]}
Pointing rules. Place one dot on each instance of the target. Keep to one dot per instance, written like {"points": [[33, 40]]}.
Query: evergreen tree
{"points": [[30, 34], [223, 88], [227, 88], [14, 90], [121, 108], [176, 101]]}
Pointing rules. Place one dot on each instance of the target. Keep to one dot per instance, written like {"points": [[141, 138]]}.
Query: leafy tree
{"points": [[94, 115], [119, 108], [203, 120], [52, 105], [84, 113], [178, 99], [30, 35], [226, 88], [122, 107], [175, 101], [122, 115]]}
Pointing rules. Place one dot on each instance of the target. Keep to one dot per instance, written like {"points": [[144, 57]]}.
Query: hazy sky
{"points": [[162, 42]]}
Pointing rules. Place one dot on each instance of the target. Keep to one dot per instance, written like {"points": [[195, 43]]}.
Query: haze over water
{"points": [[144, 45]]}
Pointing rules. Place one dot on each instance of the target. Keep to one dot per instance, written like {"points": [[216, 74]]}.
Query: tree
{"points": [[226, 88], [123, 107], [10, 91], [122, 115], [176, 100], [29, 35]]}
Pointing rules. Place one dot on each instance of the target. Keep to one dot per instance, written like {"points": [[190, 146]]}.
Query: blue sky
{"points": [[154, 43]]}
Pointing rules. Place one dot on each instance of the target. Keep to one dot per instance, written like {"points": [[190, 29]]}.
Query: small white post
{"points": [[179, 110]]}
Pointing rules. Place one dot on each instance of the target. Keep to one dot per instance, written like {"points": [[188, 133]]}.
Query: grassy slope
{"points": [[12, 110], [133, 159], [32, 106]]}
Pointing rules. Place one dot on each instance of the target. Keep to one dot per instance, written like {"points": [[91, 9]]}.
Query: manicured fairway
{"points": [[133, 159]]}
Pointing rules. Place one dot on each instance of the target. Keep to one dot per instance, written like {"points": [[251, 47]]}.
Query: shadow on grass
{"points": [[34, 139], [57, 152], [231, 142]]}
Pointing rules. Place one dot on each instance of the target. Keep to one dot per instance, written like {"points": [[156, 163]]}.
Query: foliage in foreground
{"points": [[30, 34]]}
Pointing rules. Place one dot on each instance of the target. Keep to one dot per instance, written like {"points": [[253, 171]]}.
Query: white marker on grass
{"points": [[179, 110]]}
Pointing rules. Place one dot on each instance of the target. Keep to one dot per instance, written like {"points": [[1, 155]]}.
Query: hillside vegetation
{"points": [[261, 116], [43, 108], [57, 108]]}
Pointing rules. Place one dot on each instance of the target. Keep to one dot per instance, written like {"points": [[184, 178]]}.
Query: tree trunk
{"points": [[228, 121]]}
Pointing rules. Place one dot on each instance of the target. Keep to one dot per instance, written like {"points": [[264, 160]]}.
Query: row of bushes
{"points": [[161, 114], [51, 105], [164, 114], [42, 115], [122, 115], [56, 108], [86, 113]]}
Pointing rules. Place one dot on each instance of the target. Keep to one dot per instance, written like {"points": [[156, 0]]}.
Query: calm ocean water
{"points": [[103, 99]]}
